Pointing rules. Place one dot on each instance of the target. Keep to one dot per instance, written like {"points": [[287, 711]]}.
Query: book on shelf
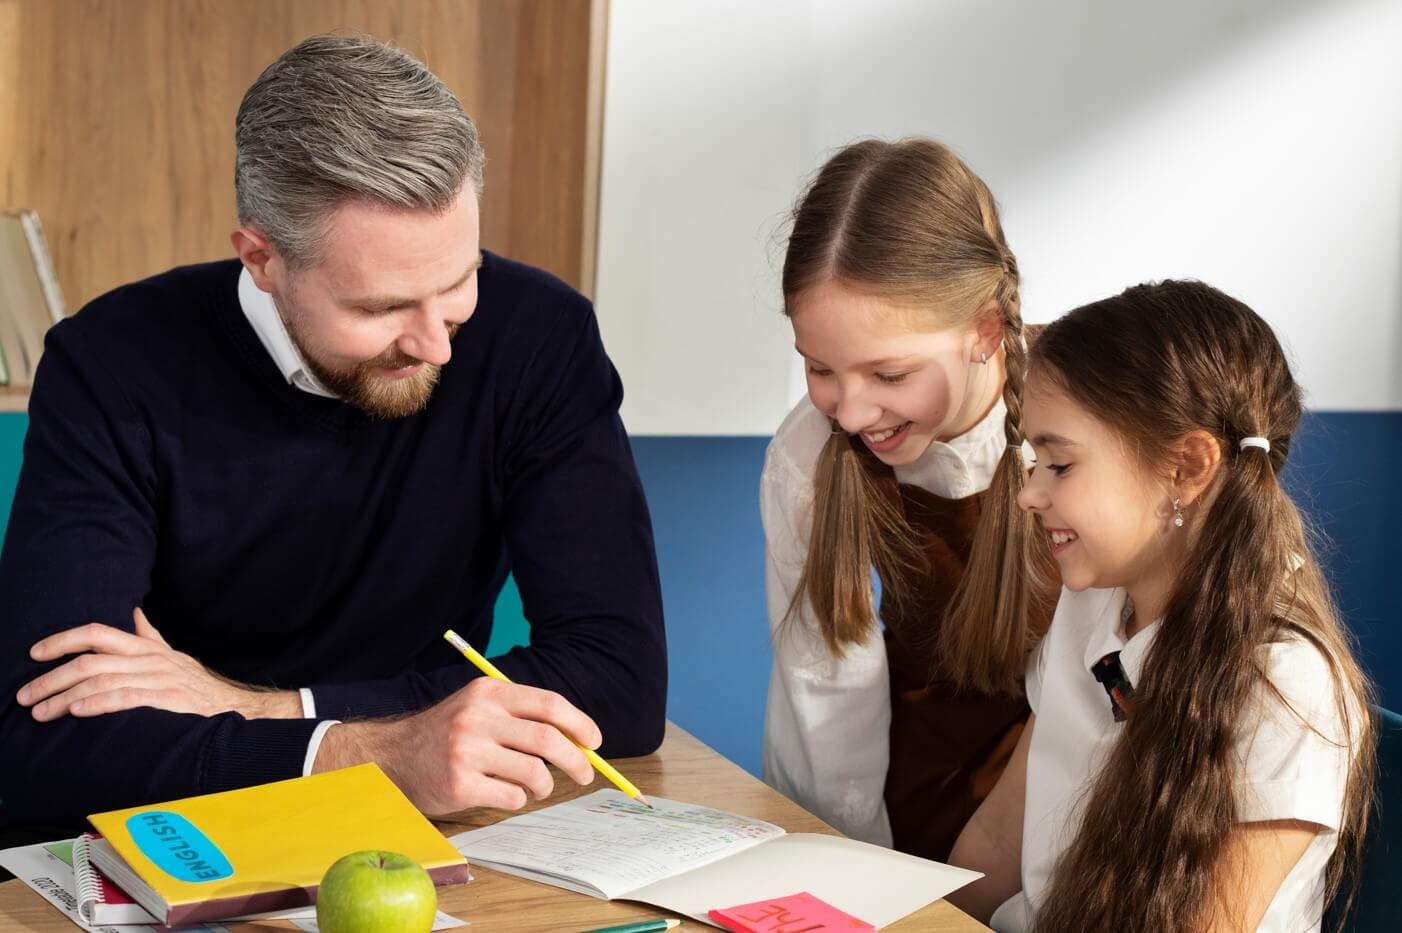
{"points": [[262, 848], [30, 299], [693, 859]]}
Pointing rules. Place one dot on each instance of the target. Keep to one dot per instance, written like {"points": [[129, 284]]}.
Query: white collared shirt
{"points": [[267, 323], [827, 722], [1288, 771]]}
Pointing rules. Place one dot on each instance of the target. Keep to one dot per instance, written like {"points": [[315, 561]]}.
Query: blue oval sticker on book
{"points": [[177, 846]]}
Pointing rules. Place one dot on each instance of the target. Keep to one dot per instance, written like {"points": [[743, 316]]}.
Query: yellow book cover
{"points": [[265, 848]]}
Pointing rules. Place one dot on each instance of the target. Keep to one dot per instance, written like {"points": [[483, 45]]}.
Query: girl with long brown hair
{"points": [[905, 459], [1201, 753]]}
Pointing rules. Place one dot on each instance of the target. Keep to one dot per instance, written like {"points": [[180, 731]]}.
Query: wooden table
{"points": [[683, 769]]}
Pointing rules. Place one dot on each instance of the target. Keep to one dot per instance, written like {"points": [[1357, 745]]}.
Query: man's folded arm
{"points": [[79, 548]]}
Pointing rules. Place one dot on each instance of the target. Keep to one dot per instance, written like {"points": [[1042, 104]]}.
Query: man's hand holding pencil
{"points": [[598, 763], [487, 745]]}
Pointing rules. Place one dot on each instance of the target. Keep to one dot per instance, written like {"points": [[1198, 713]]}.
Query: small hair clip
{"points": [[1260, 442]]}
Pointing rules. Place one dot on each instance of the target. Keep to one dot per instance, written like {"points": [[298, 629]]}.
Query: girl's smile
{"points": [[887, 439]]}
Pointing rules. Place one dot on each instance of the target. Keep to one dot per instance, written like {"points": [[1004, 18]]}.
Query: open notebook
{"points": [[692, 859]]}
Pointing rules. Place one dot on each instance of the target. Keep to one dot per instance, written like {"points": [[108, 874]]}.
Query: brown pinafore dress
{"points": [[949, 744]]}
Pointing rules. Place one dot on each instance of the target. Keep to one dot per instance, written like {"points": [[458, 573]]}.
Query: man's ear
{"points": [[1198, 457], [988, 333], [258, 257]]}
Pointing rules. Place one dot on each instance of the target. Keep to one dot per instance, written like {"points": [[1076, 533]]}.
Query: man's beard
{"points": [[374, 394], [362, 386]]}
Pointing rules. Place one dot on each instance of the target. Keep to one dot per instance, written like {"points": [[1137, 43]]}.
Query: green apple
{"points": [[376, 892]]}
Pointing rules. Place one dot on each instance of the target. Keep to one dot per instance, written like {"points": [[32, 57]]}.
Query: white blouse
{"points": [[1288, 771], [827, 722]]}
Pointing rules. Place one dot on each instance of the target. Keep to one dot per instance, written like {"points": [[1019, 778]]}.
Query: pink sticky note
{"points": [[797, 913]]}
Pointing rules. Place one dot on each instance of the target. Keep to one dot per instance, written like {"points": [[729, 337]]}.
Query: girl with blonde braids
{"points": [[904, 459], [1201, 755]]}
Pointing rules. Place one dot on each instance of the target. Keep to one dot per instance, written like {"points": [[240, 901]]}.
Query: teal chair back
{"points": [[1378, 908]]}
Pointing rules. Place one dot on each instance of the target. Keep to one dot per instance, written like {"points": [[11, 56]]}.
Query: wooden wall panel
{"points": [[116, 119]]}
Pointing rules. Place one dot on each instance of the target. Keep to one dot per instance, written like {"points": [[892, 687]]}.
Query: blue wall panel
{"points": [[704, 497], [703, 493], [12, 428], [1342, 472]]}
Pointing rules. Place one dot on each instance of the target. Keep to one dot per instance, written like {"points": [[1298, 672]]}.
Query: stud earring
{"points": [[1177, 513]]}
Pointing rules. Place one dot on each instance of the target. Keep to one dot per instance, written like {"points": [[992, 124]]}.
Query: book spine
{"points": [[224, 908], [4, 360], [456, 873], [43, 263], [19, 290]]}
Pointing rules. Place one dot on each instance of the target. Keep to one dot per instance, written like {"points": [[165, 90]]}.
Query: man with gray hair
{"points": [[256, 492]]}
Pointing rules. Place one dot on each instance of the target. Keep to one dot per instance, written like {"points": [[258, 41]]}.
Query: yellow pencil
{"points": [[600, 765]]}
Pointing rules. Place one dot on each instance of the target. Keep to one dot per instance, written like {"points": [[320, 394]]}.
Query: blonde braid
{"points": [[1014, 350]]}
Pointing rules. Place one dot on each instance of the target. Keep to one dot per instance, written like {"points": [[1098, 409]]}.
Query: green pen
{"points": [[645, 926]]}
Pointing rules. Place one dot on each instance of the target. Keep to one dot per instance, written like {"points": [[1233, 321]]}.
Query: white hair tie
{"points": [[1260, 442]]}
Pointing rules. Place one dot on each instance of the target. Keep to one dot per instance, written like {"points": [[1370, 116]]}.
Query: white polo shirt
{"points": [[1287, 770]]}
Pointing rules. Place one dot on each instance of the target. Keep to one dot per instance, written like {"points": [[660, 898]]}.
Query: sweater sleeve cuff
{"points": [[243, 752], [351, 702]]}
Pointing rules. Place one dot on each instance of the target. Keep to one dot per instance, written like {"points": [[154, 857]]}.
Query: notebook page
{"points": [[605, 844]]}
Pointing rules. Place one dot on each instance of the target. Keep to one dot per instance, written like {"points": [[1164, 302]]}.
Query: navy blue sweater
{"points": [[289, 540]]}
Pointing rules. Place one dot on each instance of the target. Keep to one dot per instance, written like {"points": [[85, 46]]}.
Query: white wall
{"points": [[1256, 144]]}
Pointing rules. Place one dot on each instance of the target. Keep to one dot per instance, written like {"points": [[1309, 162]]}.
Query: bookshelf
{"points": [[30, 302], [14, 399], [116, 120]]}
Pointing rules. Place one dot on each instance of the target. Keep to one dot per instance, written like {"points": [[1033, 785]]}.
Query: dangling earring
{"points": [[983, 359], [1177, 513]]}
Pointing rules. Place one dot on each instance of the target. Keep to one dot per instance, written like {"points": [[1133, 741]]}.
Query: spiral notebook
{"points": [[99, 900]]}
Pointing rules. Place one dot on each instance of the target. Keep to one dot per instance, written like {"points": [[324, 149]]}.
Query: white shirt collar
{"points": [[964, 465], [1109, 635], [267, 323]]}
